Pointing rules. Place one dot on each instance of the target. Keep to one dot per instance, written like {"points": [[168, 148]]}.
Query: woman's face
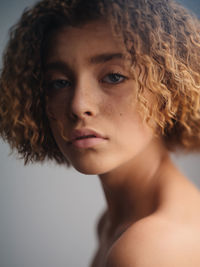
{"points": [[89, 88]]}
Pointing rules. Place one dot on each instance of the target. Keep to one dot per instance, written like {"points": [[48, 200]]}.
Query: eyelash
{"points": [[54, 83], [118, 74]]}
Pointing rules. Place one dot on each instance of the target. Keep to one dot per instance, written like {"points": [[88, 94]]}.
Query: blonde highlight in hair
{"points": [[159, 37]]}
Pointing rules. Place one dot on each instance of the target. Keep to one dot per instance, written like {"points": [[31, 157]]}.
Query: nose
{"points": [[83, 102]]}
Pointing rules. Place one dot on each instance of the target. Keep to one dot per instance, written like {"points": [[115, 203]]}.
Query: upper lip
{"points": [[84, 132]]}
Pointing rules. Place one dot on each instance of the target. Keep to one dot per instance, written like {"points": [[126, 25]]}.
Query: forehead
{"points": [[80, 42]]}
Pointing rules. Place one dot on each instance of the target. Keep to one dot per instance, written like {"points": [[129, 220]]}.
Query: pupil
{"points": [[114, 77]]}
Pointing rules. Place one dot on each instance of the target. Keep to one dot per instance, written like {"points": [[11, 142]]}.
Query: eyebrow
{"points": [[97, 59], [94, 60]]}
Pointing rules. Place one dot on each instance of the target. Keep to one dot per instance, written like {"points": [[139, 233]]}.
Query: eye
{"points": [[58, 84], [114, 78]]}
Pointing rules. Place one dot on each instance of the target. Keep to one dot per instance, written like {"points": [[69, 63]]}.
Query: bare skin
{"points": [[175, 212], [147, 197]]}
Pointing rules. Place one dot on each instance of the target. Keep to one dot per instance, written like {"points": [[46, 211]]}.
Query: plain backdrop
{"points": [[48, 213]]}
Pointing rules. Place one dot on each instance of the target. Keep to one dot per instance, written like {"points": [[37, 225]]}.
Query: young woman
{"points": [[111, 87]]}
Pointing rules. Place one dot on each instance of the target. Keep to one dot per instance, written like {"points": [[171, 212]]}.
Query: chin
{"points": [[90, 167], [97, 164]]}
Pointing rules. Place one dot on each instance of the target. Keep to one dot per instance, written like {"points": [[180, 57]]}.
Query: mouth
{"points": [[87, 136], [87, 141]]}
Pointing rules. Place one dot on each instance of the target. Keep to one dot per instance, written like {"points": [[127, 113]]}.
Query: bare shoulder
{"points": [[155, 241]]}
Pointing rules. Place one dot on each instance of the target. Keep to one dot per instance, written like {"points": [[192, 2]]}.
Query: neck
{"points": [[132, 189]]}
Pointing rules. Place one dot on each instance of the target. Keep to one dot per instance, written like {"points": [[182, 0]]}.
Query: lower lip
{"points": [[87, 142]]}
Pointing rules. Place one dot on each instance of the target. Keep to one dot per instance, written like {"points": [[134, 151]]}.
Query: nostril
{"points": [[88, 113]]}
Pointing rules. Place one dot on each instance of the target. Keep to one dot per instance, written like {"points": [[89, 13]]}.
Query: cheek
{"points": [[131, 129], [117, 108], [56, 105], [59, 128], [139, 134]]}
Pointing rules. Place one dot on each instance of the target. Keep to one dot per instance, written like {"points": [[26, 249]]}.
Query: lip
{"points": [[84, 138], [87, 142], [79, 133]]}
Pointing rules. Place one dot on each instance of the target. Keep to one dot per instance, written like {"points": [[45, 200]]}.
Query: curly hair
{"points": [[161, 38]]}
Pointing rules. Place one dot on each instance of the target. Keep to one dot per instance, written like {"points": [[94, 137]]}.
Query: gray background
{"points": [[48, 213]]}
